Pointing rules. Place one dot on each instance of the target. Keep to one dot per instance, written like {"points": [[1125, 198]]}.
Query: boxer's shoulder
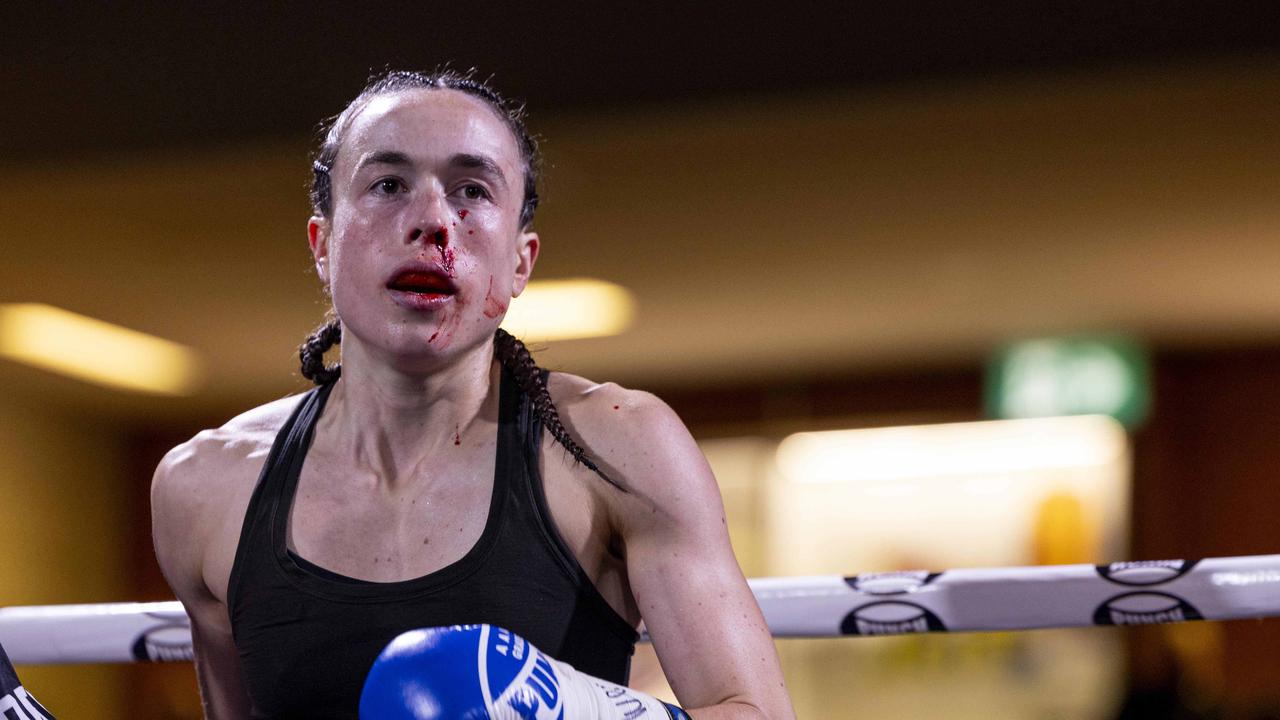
{"points": [[225, 452], [616, 424], [634, 435], [607, 409], [201, 486]]}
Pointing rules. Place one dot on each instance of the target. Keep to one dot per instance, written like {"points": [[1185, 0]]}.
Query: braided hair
{"points": [[508, 349], [515, 357], [312, 351]]}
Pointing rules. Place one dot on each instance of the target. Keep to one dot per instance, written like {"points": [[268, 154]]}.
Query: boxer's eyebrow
{"points": [[384, 157], [480, 162]]}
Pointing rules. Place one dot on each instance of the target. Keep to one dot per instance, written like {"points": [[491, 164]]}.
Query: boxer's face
{"points": [[423, 251]]}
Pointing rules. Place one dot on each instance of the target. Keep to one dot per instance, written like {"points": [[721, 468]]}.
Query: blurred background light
{"points": [[96, 351], [570, 308], [934, 496], [851, 236], [1071, 376], [951, 450]]}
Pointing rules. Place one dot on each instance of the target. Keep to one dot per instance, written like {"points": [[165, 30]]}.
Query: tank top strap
{"points": [[538, 515], [512, 407], [534, 511], [528, 425], [525, 445], [286, 451], [264, 538], [306, 639]]}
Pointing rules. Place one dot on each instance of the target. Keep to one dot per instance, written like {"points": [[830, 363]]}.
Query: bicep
{"points": [[175, 524], [703, 620], [178, 537], [217, 662]]}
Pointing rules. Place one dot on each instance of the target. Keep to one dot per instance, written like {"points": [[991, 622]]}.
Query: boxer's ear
{"points": [[318, 239], [527, 245]]}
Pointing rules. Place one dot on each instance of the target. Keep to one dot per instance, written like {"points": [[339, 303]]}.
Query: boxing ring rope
{"points": [[890, 603]]}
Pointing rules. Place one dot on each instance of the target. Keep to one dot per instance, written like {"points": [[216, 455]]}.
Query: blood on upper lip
{"points": [[422, 281]]}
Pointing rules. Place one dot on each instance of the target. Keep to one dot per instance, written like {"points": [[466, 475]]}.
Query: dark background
{"points": [[82, 81]]}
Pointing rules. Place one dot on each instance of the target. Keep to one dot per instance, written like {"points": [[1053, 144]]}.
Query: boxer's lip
{"points": [[422, 278]]}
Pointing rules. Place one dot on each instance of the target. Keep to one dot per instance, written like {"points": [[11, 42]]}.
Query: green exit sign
{"points": [[1070, 376]]}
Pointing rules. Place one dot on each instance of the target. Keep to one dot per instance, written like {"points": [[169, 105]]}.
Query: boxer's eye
{"points": [[388, 186], [474, 192]]}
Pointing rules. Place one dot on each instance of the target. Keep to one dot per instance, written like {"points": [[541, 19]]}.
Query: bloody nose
{"points": [[439, 237]]}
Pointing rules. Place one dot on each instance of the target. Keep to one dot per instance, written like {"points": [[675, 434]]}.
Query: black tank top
{"points": [[307, 636]]}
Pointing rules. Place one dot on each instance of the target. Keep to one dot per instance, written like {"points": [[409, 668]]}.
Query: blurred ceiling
{"points": [[85, 76], [825, 193]]}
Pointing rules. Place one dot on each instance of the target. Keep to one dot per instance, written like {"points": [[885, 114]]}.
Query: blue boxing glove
{"points": [[481, 672]]}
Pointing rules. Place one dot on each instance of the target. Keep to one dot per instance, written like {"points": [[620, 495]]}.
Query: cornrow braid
{"points": [[515, 357], [312, 351]]}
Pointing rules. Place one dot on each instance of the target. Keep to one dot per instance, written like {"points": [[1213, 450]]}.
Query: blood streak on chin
{"points": [[493, 307], [447, 259], [443, 336]]}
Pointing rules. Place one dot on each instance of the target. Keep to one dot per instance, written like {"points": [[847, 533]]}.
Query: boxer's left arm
{"points": [[15, 701], [187, 502], [708, 631]]}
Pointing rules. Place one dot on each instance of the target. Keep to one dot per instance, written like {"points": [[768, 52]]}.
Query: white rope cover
{"points": [[1017, 598]]}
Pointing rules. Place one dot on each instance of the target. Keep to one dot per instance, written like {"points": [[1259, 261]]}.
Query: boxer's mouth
{"points": [[424, 280]]}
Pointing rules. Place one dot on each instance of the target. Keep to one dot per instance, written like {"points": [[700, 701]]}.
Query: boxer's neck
{"points": [[390, 422]]}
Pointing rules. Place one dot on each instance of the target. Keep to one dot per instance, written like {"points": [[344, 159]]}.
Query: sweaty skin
{"points": [[399, 475]]}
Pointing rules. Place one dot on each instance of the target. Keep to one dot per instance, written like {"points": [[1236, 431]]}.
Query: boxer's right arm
{"points": [[185, 507]]}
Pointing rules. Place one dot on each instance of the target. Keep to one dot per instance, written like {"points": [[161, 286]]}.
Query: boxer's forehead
{"points": [[431, 125]]}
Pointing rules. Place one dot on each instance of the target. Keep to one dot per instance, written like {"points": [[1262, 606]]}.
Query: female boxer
{"points": [[437, 477]]}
